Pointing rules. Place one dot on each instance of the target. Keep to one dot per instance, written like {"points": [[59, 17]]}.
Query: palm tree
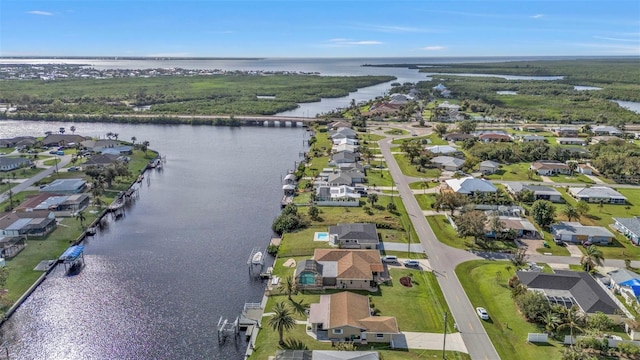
{"points": [[109, 135], [281, 320], [592, 258], [571, 212], [144, 147], [133, 140], [289, 286], [73, 129], [80, 216], [550, 321], [573, 320]]}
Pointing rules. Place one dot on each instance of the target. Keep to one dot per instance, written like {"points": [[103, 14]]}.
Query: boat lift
{"points": [[226, 328], [73, 257], [256, 261]]}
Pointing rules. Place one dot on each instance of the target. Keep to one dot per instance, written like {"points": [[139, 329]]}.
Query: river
{"points": [[157, 280]]}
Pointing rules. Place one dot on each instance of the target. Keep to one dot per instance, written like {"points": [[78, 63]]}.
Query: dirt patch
{"points": [[406, 281]]}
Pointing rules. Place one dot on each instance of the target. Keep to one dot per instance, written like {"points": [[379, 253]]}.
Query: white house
{"points": [[470, 185], [598, 194], [488, 167], [448, 163]]}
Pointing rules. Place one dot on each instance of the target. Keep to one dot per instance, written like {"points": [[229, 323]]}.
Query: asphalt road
{"points": [[64, 161], [443, 260]]}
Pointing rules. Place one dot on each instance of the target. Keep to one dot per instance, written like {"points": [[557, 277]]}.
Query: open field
{"points": [[410, 170], [514, 172]]}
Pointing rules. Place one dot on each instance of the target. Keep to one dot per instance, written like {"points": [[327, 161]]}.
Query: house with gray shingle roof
{"points": [[539, 192], [569, 288], [602, 130], [65, 186], [598, 194], [448, 163], [629, 227], [354, 236], [11, 163], [488, 167]]}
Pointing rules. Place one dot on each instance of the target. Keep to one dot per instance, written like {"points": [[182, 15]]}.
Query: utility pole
{"points": [[444, 338]]}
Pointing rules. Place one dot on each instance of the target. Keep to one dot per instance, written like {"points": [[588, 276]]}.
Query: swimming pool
{"points": [[321, 236]]}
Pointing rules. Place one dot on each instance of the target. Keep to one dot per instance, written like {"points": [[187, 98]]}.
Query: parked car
{"points": [[53, 152], [482, 313], [411, 263], [390, 259], [73, 168]]}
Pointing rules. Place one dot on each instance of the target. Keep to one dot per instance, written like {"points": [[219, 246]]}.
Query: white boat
{"points": [[116, 205], [257, 258]]}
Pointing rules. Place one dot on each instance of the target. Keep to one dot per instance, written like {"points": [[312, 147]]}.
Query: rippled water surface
{"points": [[157, 280]]}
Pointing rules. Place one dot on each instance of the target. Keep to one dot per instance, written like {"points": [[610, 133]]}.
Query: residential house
{"points": [[340, 269], [629, 227], [571, 141], [61, 205], [494, 137], [399, 99], [598, 194], [565, 132], [62, 140], [550, 167], [339, 124], [602, 130], [11, 163], [572, 288], [533, 138], [10, 246], [488, 167], [325, 355], [118, 150], [625, 283], [439, 87], [354, 236], [332, 193], [35, 223], [585, 169], [343, 157], [470, 185], [447, 163], [65, 186], [447, 106], [347, 141], [345, 147], [347, 316], [98, 145], [539, 192], [100, 160], [442, 150], [457, 136], [349, 178], [348, 132], [522, 227], [574, 232]]}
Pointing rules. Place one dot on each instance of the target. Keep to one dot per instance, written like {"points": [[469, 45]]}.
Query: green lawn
{"points": [[514, 172], [577, 178], [420, 185], [426, 201], [396, 131], [410, 170], [485, 283], [379, 177], [446, 234]]}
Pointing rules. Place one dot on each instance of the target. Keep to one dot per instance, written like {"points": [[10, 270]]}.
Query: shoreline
{"points": [[79, 240]]}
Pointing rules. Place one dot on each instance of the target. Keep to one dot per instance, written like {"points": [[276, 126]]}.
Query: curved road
{"points": [[443, 260], [64, 161]]}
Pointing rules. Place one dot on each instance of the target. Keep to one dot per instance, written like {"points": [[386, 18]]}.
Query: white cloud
{"points": [[39, 12], [433, 48], [350, 42], [537, 16], [390, 28], [614, 39]]}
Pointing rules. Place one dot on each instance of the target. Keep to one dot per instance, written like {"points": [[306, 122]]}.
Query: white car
{"points": [[482, 313], [411, 263]]}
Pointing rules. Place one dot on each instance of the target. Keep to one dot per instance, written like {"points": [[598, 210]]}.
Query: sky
{"points": [[327, 28]]}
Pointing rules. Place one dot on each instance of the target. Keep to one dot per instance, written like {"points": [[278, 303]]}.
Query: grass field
{"points": [[514, 172], [410, 170], [485, 283], [427, 201]]}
